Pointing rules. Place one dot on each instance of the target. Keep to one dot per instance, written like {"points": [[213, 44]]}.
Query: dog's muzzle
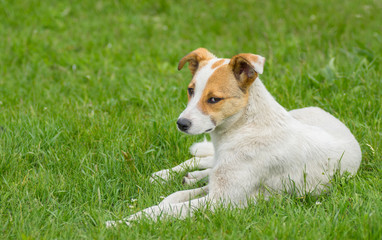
{"points": [[183, 124]]}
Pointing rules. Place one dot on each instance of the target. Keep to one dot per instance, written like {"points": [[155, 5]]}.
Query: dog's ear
{"points": [[194, 58], [246, 67]]}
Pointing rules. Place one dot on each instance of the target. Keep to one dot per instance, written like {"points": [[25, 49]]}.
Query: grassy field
{"points": [[82, 81]]}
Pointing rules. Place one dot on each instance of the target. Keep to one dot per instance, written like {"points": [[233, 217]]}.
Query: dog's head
{"points": [[218, 90]]}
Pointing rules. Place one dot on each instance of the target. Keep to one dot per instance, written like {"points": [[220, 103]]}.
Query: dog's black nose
{"points": [[183, 124]]}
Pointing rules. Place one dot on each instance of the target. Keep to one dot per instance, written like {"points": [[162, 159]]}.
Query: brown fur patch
{"points": [[217, 64], [203, 64], [222, 84], [194, 59]]}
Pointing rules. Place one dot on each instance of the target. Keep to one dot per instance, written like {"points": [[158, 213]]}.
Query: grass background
{"points": [[82, 80]]}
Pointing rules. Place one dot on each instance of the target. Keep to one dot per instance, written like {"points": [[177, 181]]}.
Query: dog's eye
{"points": [[190, 91], [214, 100]]}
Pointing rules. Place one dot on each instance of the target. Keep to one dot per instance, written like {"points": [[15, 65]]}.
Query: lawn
{"points": [[82, 81]]}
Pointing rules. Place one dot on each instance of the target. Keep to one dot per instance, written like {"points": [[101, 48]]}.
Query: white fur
{"points": [[262, 149], [259, 65]]}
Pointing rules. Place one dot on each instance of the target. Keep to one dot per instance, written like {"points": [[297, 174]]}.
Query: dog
{"points": [[257, 147]]}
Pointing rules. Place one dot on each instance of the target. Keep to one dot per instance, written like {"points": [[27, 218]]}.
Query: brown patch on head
{"points": [[203, 63], [222, 84], [195, 59], [217, 64]]}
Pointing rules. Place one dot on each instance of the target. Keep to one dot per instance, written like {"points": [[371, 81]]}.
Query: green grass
{"points": [[79, 82]]}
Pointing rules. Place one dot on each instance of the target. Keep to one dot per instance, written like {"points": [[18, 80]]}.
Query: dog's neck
{"points": [[261, 111], [262, 108]]}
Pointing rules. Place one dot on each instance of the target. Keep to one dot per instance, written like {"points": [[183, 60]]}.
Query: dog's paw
{"points": [[202, 149], [113, 224], [189, 181], [162, 175], [196, 176]]}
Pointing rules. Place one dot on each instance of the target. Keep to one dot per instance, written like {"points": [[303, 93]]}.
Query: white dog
{"points": [[257, 146]]}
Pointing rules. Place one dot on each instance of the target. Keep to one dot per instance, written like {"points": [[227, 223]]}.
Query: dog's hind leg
{"points": [[184, 196], [194, 177], [195, 162], [179, 210], [178, 204]]}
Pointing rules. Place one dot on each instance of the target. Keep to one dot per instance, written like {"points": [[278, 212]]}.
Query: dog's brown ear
{"points": [[194, 58], [246, 67]]}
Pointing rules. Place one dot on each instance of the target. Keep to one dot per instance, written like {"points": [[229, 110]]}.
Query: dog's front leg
{"points": [[194, 177], [195, 162], [177, 210]]}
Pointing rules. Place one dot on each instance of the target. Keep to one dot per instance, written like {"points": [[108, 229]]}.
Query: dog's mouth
{"points": [[209, 130], [190, 133]]}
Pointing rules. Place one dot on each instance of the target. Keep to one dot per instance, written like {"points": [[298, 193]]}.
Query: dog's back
{"points": [[317, 117]]}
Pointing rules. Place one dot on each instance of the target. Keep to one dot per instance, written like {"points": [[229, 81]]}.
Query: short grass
{"points": [[81, 81]]}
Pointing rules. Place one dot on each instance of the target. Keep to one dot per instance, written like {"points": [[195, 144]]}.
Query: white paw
{"points": [[189, 181], [163, 175], [112, 224], [202, 149]]}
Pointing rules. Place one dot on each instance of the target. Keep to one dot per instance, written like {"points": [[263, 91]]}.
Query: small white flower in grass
{"points": [[131, 206], [318, 203], [133, 200], [162, 197], [45, 108]]}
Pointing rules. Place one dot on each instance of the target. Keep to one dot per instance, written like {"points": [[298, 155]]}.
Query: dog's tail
{"points": [[202, 149]]}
